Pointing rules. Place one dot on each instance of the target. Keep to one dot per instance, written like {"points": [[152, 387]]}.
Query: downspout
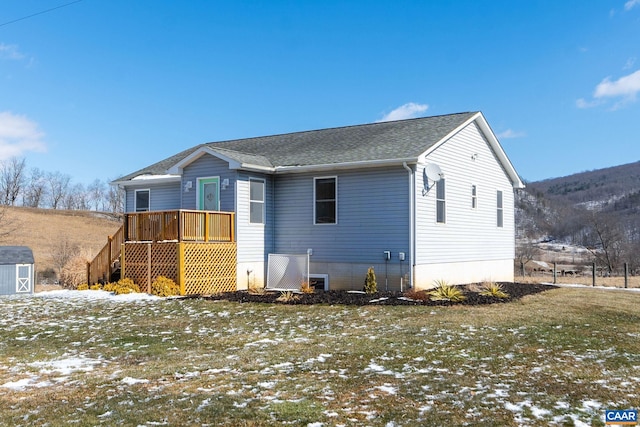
{"points": [[412, 195]]}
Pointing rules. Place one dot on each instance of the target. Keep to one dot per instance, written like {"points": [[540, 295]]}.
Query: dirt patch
{"points": [[471, 292]]}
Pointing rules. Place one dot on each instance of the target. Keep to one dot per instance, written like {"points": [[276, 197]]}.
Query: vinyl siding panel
{"points": [[255, 241], [372, 216], [468, 234], [162, 197], [204, 167]]}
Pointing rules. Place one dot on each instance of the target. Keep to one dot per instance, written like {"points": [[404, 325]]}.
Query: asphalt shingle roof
{"points": [[403, 139], [15, 255]]}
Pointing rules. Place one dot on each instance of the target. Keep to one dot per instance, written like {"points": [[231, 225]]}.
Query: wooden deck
{"points": [[153, 230], [180, 226]]}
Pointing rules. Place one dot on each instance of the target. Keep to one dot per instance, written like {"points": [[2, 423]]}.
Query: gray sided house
{"points": [[420, 200], [16, 270]]}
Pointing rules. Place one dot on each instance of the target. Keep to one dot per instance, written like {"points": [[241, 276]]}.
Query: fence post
{"points": [[626, 275], [593, 274], [522, 268], [555, 273]]}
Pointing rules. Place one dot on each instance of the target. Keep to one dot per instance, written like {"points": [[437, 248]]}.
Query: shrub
{"points": [[74, 270], [164, 287], [82, 287], [287, 296], [446, 292], [126, 286], [257, 290], [416, 295], [491, 289], [370, 285], [306, 289], [96, 287], [122, 286]]}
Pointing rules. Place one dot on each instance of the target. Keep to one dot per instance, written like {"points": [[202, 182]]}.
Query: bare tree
{"points": [[63, 253], [525, 252], [605, 238], [11, 179], [58, 187], [6, 225], [35, 189], [115, 199], [97, 194]]}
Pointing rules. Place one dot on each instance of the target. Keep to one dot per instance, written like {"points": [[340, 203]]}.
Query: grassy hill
{"points": [[46, 230]]}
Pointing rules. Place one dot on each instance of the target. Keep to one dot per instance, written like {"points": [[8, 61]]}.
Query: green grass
{"points": [[557, 358]]}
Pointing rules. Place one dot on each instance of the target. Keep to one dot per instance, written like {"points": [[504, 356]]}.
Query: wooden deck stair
{"points": [[107, 263]]}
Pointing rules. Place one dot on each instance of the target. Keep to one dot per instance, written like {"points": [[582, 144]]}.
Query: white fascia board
{"points": [[148, 179], [493, 142], [178, 167], [345, 165]]}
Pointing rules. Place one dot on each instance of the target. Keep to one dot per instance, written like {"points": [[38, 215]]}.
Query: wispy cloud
{"points": [[631, 4], [623, 90], [629, 64], [510, 133], [583, 103], [407, 111], [10, 51], [18, 135]]}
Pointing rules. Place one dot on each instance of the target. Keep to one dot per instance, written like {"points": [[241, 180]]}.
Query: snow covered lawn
{"points": [[88, 358]]}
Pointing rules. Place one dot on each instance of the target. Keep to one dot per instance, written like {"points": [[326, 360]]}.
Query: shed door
{"points": [[23, 278]]}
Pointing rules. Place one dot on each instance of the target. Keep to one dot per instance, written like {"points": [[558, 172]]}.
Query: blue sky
{"points": [[99, 89]]}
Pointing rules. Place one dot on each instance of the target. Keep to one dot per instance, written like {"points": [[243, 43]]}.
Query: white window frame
{"points": [[499, 209], [315, 180], [263, 201], [442, 201], [135, 199]]}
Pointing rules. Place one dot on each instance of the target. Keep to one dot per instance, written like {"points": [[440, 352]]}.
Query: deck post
{"points": [[89, 273], [148, 268], [122, 257], [125, 230]]}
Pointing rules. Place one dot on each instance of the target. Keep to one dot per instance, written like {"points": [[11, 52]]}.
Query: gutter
{"points": [[412, 219]]}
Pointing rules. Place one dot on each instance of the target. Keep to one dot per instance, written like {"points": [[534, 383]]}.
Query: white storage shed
{"points": [[16, 270]]}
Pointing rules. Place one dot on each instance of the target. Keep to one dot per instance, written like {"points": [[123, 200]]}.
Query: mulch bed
{"points": [[471, 292]]}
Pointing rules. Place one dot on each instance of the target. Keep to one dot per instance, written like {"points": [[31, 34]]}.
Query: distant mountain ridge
{"points": [[600, 188]]}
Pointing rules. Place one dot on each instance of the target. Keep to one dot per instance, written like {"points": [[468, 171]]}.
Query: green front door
{"points": [[209, 194]]}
